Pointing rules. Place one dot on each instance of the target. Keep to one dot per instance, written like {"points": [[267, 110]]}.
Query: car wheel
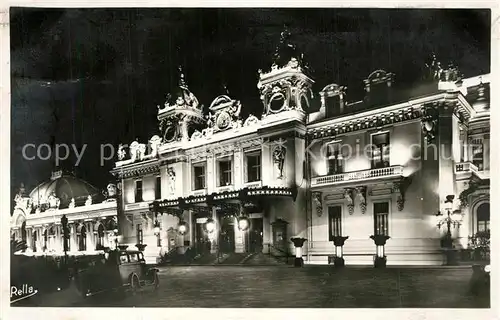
{"points": [[134, 284]]}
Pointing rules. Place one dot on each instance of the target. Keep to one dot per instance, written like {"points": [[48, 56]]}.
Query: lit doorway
{"points": [[255, 235]]}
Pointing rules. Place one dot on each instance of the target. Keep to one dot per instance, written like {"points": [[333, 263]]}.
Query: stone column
{"points": [[58, 239], [73, 244], [29, 238], [90, 235], [210, 179]]}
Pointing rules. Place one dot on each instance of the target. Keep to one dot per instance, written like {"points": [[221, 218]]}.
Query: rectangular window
{"points": [[139, 234], [158, 188], [138, 191], [477, 154], [199, 176], [334, 158], [253, 167], [381, 218], [380, 150], [225, 173], [334, 221]]}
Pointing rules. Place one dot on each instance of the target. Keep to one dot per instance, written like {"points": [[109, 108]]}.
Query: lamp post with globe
{"points": [[452, 218]]}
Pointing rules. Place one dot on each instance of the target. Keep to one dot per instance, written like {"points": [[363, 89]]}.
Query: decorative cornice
{"points": [[374, 121], [140, 170]]}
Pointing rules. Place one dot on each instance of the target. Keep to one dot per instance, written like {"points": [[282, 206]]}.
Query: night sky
{"points": [[95, 76]]}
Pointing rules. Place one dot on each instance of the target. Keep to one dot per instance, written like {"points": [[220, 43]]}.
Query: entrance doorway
{"points": [[226, 235], [255, 236], [201, 238]]}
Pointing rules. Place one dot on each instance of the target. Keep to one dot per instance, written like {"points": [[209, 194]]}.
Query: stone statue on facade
{"points": [[155, 142], [72, 203], [88, 202], [171, 175], [53, 201], [279, 159], [121, 152]]}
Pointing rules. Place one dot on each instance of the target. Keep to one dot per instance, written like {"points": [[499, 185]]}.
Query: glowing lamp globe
{"points": [[156, 230], [457, 215], [243, 224], [210, 226], [182, 228]]}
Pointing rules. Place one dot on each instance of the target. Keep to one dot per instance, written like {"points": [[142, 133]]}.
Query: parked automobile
{"points": [[480, 281], [116, 270]]}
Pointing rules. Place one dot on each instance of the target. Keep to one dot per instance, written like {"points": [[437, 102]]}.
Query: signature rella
{"points": [[19, 293]]}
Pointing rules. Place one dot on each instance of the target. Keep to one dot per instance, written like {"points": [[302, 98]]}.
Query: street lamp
{"points": [[182, 228], [210, 225], [156, 228], [452, 218]]}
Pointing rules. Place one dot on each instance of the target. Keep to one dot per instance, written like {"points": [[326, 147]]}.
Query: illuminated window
{"points": [[380, 150], [483, 217], [334, 158], [334, 221], [381, 218], [253, 167], [138, 191], [225, 172], [477, 154], [199, 176]]}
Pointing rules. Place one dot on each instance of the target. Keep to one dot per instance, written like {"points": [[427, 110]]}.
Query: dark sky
{"points": [[95, 76]]}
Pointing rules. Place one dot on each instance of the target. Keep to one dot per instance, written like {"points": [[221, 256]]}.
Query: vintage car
{"points": [[116, 270], [480, 280]]}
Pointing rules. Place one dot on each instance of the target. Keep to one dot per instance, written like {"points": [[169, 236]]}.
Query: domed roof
{"points": [[64, 187]]}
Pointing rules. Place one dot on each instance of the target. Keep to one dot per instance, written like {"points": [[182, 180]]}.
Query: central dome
{"points": [[64, 187]]}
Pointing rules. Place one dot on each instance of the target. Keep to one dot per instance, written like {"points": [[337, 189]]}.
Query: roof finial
{"points": [[182, 79]]}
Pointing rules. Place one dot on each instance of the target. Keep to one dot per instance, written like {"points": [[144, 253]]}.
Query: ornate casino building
{"points": [[91, 216], [407, 164]]}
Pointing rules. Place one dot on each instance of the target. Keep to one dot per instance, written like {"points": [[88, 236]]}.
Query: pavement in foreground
{"points": [[282, 286]]}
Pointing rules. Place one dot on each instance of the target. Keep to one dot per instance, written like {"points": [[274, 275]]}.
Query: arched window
{"points": [[100, 238], [483, 217], [23, 231], [34, 240], [82, 239]]}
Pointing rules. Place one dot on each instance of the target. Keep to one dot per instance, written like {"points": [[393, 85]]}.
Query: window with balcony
{"points": [[199, 176], [380, 147], [381, 218], [139, 234], [335, 162], [477, 154], [225, 173], [334, 222], [483, 217], [158, 188], [253, 167], [138, 191]]}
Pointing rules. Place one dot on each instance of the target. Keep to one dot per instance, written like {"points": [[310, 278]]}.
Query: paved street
{"points": [[312, 286]]}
